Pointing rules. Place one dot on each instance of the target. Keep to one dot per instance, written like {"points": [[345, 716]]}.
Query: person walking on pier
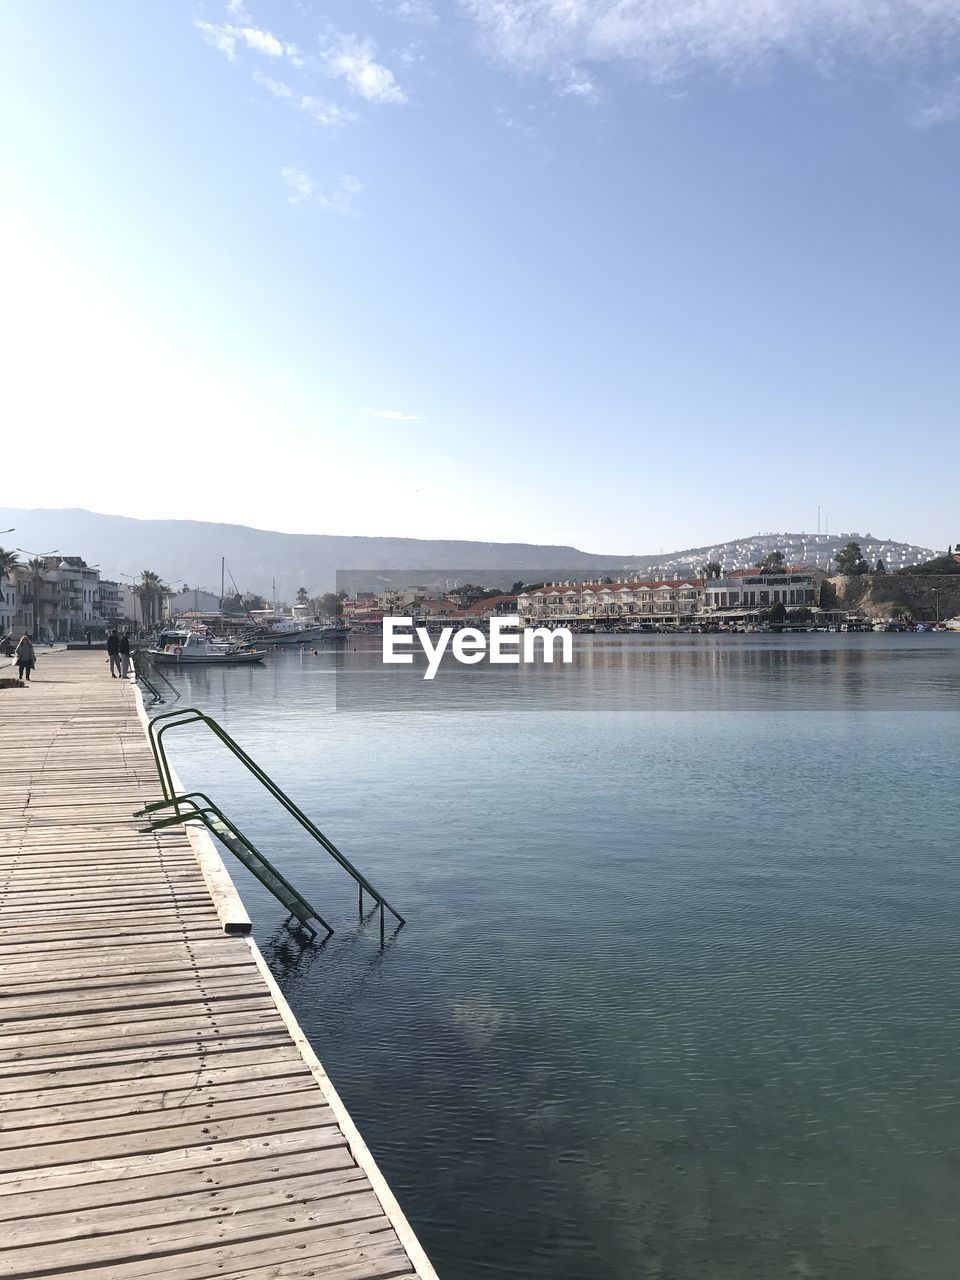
{"points": [[124, 655], [113, 649], [26, 658]]}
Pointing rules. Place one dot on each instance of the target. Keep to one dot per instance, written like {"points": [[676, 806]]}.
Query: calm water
{"points": [[677, 996]]}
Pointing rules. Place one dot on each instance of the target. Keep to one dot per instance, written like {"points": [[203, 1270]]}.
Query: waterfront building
{"points": [[664, 600], [492, 607], [8, 604], [741, 589], [111, 601], [403, 600], [193, 600]]}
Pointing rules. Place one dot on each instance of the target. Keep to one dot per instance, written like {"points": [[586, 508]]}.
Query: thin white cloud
{"points": [[276, 87], [665, 39], [262, 41], [395, 415], [303, 190], [237, 9], [228, 37], [354, 59], [223, 38], [420, 12], [573, 82], [944, 109], [329, 114]]}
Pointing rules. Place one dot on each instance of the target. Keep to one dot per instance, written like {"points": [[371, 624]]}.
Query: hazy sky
{"points": [[628, 274]]}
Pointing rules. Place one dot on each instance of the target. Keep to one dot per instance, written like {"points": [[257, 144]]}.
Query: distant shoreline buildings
{"points": [[62, 598]]}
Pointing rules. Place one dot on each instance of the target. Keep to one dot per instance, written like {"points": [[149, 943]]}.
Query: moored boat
{"points": [[186, 648]]}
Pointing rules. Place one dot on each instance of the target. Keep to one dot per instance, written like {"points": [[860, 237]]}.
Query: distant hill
{"points": [[190, 550], [798, 548]]}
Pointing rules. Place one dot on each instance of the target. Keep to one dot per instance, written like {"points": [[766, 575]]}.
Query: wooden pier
{"points": [[161, 1114]]}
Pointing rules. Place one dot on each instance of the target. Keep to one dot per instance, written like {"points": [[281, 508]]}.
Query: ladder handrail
{"points": [[144, 679], [141, 662], [208, 807], [193, 715]]}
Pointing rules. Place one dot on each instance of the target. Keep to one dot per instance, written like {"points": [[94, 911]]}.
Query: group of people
{"points": [[118, 650]]}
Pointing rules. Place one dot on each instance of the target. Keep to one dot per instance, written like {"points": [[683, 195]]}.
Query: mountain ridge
{"points": [[190, 550]]}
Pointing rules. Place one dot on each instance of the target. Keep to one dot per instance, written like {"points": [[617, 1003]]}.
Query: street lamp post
{"points": [[132, 578], [936, 593]]}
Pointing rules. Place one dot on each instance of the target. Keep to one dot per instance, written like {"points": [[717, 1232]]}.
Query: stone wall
{"points": [[892, 596]]}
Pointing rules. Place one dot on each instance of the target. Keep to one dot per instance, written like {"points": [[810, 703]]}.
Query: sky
{"points": [[631, 275]]}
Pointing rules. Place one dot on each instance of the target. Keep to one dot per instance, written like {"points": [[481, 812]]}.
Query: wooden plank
{"points": [[219, 1227], [348, 1251], [250, 1168], [256, 1100], [121, 1051], [301, 1184], [141, 1141], [106, 1093], [73, 1183]]}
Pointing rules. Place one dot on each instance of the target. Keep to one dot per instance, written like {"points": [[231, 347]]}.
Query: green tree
{"points": [[879, 567], [151, 589], [302, 596], [778, 613], [940, 564], [713, 569], [38, 572], [772, 562], [516, 589], [331, 603], [8, 560], [850, 561]]}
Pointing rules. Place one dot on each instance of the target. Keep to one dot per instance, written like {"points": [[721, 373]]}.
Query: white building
{"points": [[8, 605], [193, 600], [751, 589], [111, 601], [656, 600]]}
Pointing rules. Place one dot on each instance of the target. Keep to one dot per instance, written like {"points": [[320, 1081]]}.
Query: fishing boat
{"points": [[186, 648], [274, 629]]}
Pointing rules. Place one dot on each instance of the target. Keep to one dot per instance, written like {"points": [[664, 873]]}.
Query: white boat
{"points": [[279, 629], [185, 648], [953, 624]]}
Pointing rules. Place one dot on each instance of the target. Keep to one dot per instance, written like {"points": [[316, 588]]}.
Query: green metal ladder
{"points": [[146, 671], [196, 806]]}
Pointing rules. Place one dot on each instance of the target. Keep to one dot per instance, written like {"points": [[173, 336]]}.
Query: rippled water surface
{"points": [[677, 997]]}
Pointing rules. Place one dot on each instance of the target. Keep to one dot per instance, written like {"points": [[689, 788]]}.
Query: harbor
{"points": [[163, 1113]]}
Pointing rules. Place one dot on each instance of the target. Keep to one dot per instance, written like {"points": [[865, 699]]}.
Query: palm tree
{"points": [[38, 570], [8, 560], [151, 589]]}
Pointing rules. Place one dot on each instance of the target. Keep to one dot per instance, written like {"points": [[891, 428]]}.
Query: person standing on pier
{"points": [[124, 655], [113, 649], [26, 658]]}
